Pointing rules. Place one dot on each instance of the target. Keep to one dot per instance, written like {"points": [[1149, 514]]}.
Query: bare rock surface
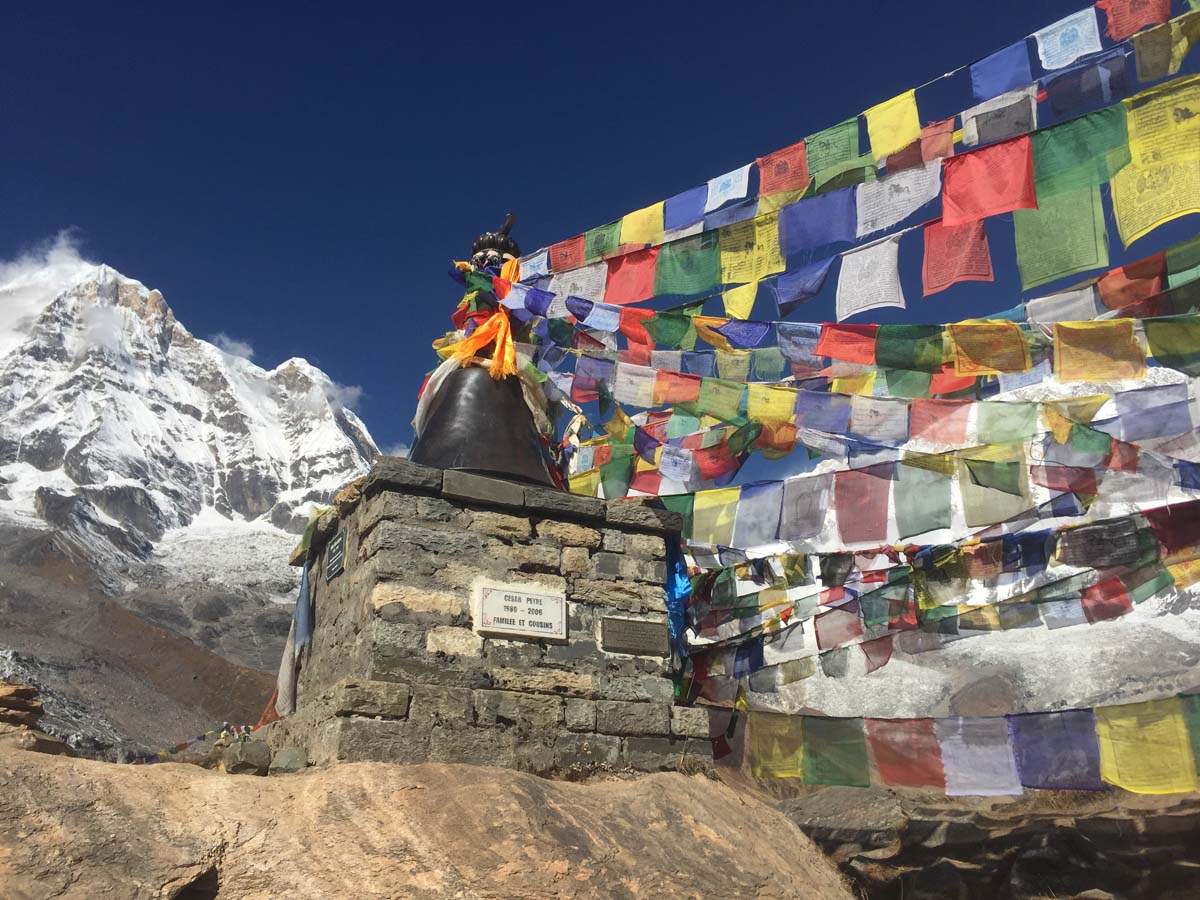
{"points": [[82, 829]]}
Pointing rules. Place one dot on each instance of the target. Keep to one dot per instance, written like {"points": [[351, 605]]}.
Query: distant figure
{"points": [[480, 411]]}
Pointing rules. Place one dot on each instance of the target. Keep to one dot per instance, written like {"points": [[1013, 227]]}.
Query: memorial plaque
{"points": [[335, 556], [521, 611], [635, 636]]}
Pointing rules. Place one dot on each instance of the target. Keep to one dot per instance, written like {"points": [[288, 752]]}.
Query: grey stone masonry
{"points": [[468, 624]]}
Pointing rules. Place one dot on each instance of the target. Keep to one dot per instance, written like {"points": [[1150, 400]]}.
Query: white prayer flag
{"points": [[870, 279], [535, 265], [676, 463], [1070, 306], [730, 186], [1000, 118], [634, 385], [604, 317], [1068, 39], [890, 200], [586, 282]]}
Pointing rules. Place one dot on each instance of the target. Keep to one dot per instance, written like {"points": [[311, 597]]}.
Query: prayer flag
{"points": [[1161, 51], [1128, 16], [586, 281], [1068, 39], [893, 125], [757, 517], [1099, 82], [1145, 198], [889, 201], [954, 254], [602, 242], [870, 279], [1145, 747], [978, 757], [835, 752], [838, 627], [922, 501], [1175, 343], [879, 421], [916, 348], [1106, 599], [1133, 282], [799, 286], [721, 399], [568, 254], [940, 421], [535, 265], [989, 347], [724, 188], [631, 277], [1001, 117], [688, 267], [713, 516], [906, 752], [850, 343], [1065, 235], [1001, 72], [774, 747], [805, 504], [1057, 750], [750, 250], [644, 226], [1097, 351], [1080, 153], [818, 411], [1183, 263], [861, 502], [816, 222], [832, 149], [1164, 123], [1068, 306], [769, 402], [984, 505], [783, 170], [987, 182], [739, 301], [685, 209]]}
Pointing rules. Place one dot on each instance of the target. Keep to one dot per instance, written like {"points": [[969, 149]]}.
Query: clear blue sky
{"points": [[299, 175]]}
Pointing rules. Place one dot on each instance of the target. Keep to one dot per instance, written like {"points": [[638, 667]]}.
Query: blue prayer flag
{"points": [[795, 288], [819, 221], [685, 209], [1003, 71]]}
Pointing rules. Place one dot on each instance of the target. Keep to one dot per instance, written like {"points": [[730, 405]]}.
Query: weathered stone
{"points": [[625, 718], [617, 565], [579, 651], [247, 758], [397, 639], [396, 472], [635, 688], [657, 754], [583, 752], [580, 715], [288, 761], [473, 746], [348, 497], [544, 500], [371, 698], [638, 514], [299, 555], [574, 561], [361, 739], [435, 509], [547, 681], [543, 558], [627, 596], [689, 721], [391, 601], [529, 713], [614, 541], [513, 654], [402, 538], [442, 705], [649, 546], [479, 489], [501, 525], [325, 528], [383, 507], [424, 669], [569, 533], [454, 641]]}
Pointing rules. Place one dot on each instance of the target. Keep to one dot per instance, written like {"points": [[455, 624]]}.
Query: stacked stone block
{"points": [[398, 671]]}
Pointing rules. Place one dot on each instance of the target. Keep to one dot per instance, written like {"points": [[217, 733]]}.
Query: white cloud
{"points": [[400, 449], [232, 346], [30, 282], [105, 327], [347, 395]]}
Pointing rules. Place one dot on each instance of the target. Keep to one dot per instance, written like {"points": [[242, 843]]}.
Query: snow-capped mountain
{"points": [[167, 473]]}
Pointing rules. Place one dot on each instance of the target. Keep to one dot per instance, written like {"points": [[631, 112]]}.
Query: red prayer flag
{"points": [[937, 139], [1126, 17], [631, 277], [948, 382], [568, 254], [837, 627], [1134, 282], [676, 387], [713, 462], [1122, 457], [955, 253], [988, 181], [646, 481], [783, 170], [850, 343], [906, 752], [1106, 599], [632, 325], [1176, 526], [1072, 479], [940, 421], [878, 652], [908, 158], [860, 498]]}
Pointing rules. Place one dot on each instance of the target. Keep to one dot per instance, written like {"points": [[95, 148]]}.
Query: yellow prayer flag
{"points": [[1097, 351], [1145, 747], [733, 365], [893, 125], [1164, 123], [770, 403], [585, 483], [979, 618], [706, 329], [770, 203], [862, 383], [944, 463], [645, 226], [1060, 426], [740, 300], [750, 250], [1185, 573], [988, 347], [1061, 415], [774, 745], [713, 514], [1146, 197]]}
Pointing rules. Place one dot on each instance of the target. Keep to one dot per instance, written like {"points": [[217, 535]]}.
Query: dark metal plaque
{"points": [[335, 556], [635, 636]]}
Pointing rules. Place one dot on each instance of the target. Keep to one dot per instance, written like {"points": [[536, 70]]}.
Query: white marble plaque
{"points": [[520, 610]]}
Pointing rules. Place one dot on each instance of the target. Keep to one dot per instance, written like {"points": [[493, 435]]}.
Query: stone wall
{"points": [[400, 668]]}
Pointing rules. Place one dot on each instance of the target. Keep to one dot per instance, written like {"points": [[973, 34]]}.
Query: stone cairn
{"points": [[430, 592], [20, 713]]}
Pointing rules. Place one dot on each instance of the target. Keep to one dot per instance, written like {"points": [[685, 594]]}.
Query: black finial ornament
{"points": [[498, 240]]}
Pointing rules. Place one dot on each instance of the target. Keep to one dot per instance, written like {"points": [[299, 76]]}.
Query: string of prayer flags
{"points": [[954, 254], [1097, 351], [1128, 16], [1001, 72], [783, 170], [1065, 235], [1085, 151], [1068, 39], [1001, 118], [889, 201], [870, 279], [1160, 52], [725, 188], [988, 181], [893, 124]]}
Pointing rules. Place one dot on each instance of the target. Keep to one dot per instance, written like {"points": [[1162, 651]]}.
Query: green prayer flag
{"points": [[744, 437], [724, 589], [674, 327], [688, 267], [835, 752], [615, 475], [984, 504], [1000, 422], [767, 364], [999, 476], [721, 399], [833, 148], [917, 348], [1088, 440], [857, 171], [1159, 581], [907, 385], [1080, 153], [680, 424], [1175, 343], [1183, 263], [560, 331], [922, 500], [601, 241], [1191, 715], [681, 504], [1065, 235]]}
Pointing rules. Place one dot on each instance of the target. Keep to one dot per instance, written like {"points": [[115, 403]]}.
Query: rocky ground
{"points": [[73, 828]]}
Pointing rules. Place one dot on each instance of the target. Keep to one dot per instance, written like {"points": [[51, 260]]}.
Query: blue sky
{"points": [[297, 176]]}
